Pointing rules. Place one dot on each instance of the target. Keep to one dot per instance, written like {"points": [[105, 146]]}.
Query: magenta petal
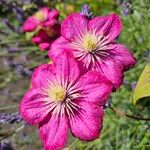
{"points": [[44, 46], [73, 25], [43, 35], [53, 132], [57, 47], [53, 14], [56, 30], [30, 24], [123, 56], [40, 37], [95, 87], [33, 106], [45, 11], [109, 26], [112, 70], [66, 67], [86, 124], [36, 39], [42, 75], [50, 23]]}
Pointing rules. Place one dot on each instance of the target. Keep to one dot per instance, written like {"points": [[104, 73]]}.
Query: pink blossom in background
{"points": [[61, 100], [45, 26], [93, 43]]}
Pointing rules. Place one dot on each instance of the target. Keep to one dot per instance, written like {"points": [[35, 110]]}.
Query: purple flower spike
{"points": [[6, 145], [6, 118], [126, 7], [86, 12]]}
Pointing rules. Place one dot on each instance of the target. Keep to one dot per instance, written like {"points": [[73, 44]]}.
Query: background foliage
{"points": [[18, 57]]}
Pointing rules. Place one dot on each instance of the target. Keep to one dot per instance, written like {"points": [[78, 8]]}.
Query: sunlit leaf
{"points": [[143, 86]]}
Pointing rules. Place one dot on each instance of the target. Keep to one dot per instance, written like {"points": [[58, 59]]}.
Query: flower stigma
{"points": [[57, 93], [89, 42]]}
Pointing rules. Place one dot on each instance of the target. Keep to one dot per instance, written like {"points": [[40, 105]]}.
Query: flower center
{"points": [[57, 93], [90, 42], [40, 15], [49, 31]]}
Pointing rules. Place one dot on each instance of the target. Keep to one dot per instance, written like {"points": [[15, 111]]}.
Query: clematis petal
{"points": [[58, 46], [66, 68], [50, 23], [112, 70], [45, 11], [56, 30], [37, 39], [86, 124], [73, 25], [53, 14], [42, 75], [30, 24], [40, 37], [123, 56], [53, 132], [95, 87], [34, 107], [44, 45], [109, 26]]}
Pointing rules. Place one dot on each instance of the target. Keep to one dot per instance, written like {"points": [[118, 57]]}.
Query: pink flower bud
{"points": [[44, 46]]}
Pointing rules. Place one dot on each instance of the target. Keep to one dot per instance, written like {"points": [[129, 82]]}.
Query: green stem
{"points": [[121, 113]]}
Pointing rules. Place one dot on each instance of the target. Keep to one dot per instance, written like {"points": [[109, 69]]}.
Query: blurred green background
{"points": [[18, 57]]}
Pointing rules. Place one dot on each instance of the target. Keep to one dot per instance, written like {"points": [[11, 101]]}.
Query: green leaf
{"points": [[143, 86]]}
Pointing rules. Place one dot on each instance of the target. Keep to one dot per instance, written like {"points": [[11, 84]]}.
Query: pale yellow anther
{"points": [[89, 42], [57, 93]]}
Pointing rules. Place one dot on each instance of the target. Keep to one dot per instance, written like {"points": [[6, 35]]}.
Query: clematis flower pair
{"points": [[69, 95], [60, 99], [93, 43], [44, 26]]}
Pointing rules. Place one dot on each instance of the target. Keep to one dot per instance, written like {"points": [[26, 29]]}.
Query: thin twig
{"points": [[121, 113]]}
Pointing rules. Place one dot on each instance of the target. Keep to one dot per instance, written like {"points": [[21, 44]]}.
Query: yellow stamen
{"points": [[40, 15], [89, 42], [57, 93]]}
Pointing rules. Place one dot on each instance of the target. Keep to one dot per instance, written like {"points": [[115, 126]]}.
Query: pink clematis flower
{"points": [[93, 43], [44, 24], [60, 99]]}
